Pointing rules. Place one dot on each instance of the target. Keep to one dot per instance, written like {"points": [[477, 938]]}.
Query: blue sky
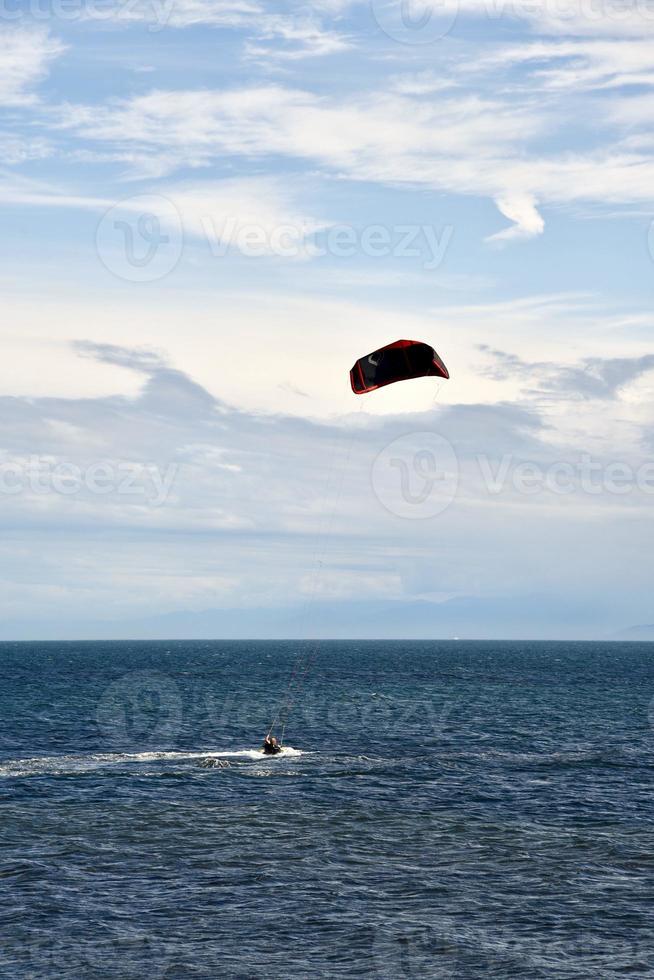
{"points": [[211, 208]]}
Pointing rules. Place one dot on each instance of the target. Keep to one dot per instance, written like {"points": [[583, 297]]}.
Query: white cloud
{"points": [[25, 56], [293, 35], [15, 189], [584, 64], [633, 112], [447, 143], [301, 341], [521, 210], [256, 215], [422, 83], [461, 143], [300, 37], [360, 136], [178, 13], [15, 149]]}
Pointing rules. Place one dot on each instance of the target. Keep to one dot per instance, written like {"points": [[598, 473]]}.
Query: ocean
{"points": [[443, 809]]}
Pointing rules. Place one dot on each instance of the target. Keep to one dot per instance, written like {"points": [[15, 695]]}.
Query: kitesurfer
{"points": [[400, 361], [271, 746]]}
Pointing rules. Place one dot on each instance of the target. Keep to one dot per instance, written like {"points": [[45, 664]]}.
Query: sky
{"points": [[211, 208]]}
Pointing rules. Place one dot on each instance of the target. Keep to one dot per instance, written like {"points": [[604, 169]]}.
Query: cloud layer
{"points": [[174, 500]]}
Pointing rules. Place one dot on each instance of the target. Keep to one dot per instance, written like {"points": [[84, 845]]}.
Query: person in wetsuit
{"points": [[271, 746]]}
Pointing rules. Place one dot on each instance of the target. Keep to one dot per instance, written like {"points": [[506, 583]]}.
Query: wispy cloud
{"points": [[593, 378], [460, 143], [224, 213], [269, 34], [178, 13], [583, 63], [25, 57], [269, 119], [295, 39]]}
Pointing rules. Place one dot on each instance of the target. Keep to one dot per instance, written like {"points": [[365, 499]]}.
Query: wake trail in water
{"points": [[63, 765]]}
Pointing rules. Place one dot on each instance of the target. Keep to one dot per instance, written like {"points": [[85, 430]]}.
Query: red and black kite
{"points": [[400, 361]]}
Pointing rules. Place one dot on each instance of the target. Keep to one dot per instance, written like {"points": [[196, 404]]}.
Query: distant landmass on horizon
{"points": [[463, 617]]}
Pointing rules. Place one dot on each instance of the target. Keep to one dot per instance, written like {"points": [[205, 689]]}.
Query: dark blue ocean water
{"points": [[450, 810]]}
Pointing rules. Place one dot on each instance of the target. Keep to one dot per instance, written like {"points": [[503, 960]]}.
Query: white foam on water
{"points": [[61, 765]]}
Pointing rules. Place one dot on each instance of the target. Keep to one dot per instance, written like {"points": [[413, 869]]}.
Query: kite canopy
{"points": [[401, 361]]}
